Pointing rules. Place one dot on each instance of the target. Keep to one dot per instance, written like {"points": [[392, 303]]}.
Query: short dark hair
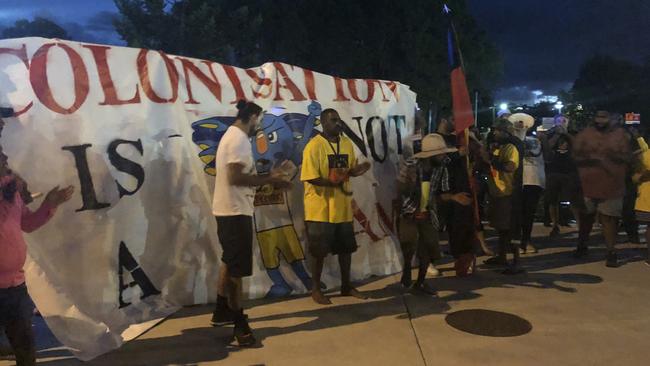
{"points": [[245, 110], [327, 112]]}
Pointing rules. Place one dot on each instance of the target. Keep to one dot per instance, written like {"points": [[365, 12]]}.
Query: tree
{"points": [[39, 27], [380, 39], [605, 82]]}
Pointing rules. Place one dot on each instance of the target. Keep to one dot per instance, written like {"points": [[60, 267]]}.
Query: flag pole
{"points": [[460, 103]]}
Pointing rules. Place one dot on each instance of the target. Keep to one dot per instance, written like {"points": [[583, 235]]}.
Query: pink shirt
{"points": [[602, 158], [15, 218]]}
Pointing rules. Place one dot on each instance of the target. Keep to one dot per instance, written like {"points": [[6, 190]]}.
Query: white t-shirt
{"points": [[533, 163], [230, 200]]}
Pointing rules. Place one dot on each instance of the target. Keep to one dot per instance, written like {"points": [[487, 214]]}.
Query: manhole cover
{"points": [[489, 323]]}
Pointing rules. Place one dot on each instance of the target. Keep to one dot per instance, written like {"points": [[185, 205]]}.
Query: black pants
{"points": [[16, 310], [529, 206], [630, 224]]}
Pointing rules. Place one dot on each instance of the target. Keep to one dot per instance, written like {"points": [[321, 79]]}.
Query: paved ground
{"points": [[569, 313]]}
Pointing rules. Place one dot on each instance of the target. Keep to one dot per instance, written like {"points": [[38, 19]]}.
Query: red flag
{"points": [[461, 103]]}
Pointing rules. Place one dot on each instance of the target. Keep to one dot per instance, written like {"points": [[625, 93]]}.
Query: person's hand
{"points": [[282, 171], [280, 177], [462, 150], [462, 198], [407, 174], [279, 183], [360, 169], [637, 177], [57, 196]]}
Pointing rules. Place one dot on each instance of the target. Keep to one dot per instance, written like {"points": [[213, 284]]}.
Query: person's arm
{"points": [[462, 198], [30, 221], [237, 177], [512, 162], [406, 178], [642, 144], [580, 152], [508, 167], [237, 156], [359, 169], [623, 152]]}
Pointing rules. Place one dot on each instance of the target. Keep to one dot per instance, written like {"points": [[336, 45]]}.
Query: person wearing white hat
{"points": [[534, 178], [421, 180]]}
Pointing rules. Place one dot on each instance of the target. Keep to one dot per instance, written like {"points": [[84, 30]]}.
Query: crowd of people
{"points": [[442, 187], [442, 184]]}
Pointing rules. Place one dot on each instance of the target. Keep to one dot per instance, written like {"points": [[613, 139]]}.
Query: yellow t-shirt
{"points": [[643, 189], [425, 188], [327, 160], [500, 183]]}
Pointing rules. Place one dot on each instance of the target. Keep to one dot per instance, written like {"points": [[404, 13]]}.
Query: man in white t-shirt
{"points": [[232, 206]]}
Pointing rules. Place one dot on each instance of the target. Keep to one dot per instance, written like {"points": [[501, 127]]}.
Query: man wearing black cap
{"points": [[505, 161]]}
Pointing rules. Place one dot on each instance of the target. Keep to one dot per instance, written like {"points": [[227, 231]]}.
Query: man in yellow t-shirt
{"points": [[327, 164], [504, 161]]}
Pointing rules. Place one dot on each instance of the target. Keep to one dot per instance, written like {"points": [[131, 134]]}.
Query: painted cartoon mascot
{"points": [[279, 137]]}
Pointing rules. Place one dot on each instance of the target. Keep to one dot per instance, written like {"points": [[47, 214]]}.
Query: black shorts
{"points": [[236, 238], [500, 213], [325, 238], [562, 188]]}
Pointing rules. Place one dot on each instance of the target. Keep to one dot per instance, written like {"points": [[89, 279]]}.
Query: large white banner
{"points": [[135, 131]]}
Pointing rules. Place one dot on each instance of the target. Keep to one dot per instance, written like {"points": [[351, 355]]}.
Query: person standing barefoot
{"points": [[328, 163]]}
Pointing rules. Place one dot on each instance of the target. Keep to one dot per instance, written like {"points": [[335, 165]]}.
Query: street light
{"points": [[559, 106], [503, 106]]}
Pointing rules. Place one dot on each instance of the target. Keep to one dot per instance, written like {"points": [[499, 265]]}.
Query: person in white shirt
{"points": [[233, 208]]}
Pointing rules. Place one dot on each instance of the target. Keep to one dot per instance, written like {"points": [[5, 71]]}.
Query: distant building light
{"points": [[547, 99]]}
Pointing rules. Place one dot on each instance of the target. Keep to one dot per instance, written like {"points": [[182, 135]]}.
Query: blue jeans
{"points": [[16, 309]]}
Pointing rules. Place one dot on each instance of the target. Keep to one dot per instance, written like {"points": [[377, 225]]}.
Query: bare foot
{"points": [[354, 293], [319, 298]]}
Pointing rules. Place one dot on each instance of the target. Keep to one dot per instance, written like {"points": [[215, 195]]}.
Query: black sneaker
{"points": [[222, 315], [580, 252], [406, 280], [612, 260], [496, 261], [242, 333]]}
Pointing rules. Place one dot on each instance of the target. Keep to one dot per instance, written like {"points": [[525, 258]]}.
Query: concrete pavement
{"points": [[578, 313]]}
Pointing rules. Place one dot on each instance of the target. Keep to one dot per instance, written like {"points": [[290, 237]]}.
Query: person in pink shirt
{"points": [[15, 218], [602, 154]]}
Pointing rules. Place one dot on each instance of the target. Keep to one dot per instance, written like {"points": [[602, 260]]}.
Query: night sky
{"points": [[543, 42]]}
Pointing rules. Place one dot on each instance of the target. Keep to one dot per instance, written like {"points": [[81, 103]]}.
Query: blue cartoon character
{"points": [[207, 135], [279, 138]]}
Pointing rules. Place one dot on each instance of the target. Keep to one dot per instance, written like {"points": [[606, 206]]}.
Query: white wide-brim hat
{"points": [[433, 144]]}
